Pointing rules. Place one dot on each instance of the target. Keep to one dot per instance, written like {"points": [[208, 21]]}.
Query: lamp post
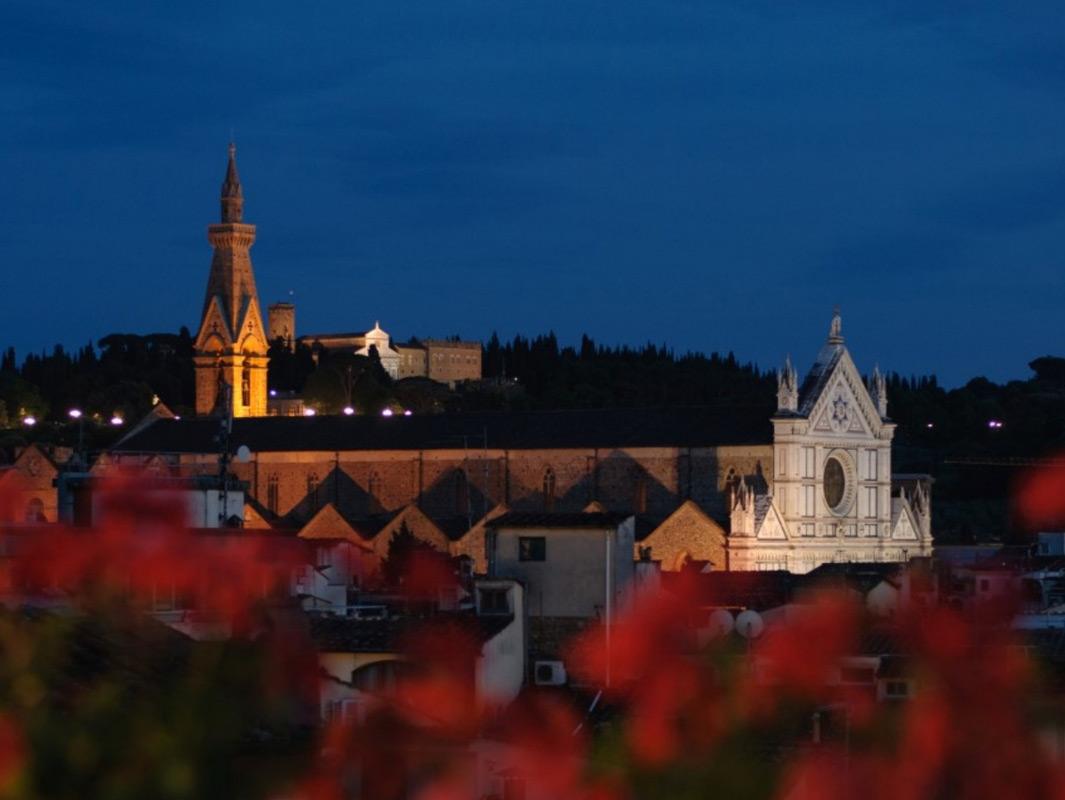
{"points": [[75, 413]]}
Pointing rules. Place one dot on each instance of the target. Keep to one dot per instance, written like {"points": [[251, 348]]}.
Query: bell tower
{"points": [[231, 346]]}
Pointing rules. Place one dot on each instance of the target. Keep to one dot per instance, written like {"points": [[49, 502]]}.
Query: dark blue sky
{"points": [[712, 176]]}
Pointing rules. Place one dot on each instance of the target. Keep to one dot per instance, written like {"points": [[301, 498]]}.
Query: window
{"points": [[462, 494], [272, 493], [312, 491], [245, 387], [807, 462], [835, 483], [373, 491], [896, 689], [549, 489], [869, 473], [639, 500], [870, 501], [494, 601], [532, 548]]}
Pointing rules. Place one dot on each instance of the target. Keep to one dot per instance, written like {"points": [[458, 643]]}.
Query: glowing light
{"points": [[273, 392], [75, 413], [930, 425], [348, 411], [309, 412], [117, 420], [29, 420], [407, 413], [386, 412], [177, 416], [994, 424]]}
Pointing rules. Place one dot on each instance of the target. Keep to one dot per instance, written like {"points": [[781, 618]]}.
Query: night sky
{"points": [[712, 176]]}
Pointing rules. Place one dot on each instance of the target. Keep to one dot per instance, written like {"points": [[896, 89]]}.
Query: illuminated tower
{"points": [[231, 345]]}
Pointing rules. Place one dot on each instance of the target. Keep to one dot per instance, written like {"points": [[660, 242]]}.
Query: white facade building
{"points": [[380, 340], [830, 497]]}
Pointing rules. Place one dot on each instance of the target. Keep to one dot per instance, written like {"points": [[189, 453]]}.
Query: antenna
{"points": [[749, 624]]}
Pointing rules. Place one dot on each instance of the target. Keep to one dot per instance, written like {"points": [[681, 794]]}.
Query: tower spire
{"points": [[835, 330], [232, 194]]}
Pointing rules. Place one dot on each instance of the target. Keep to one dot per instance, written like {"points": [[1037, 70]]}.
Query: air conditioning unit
{"points": [[549, 673]]}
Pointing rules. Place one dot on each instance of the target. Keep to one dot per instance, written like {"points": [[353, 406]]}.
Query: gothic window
{"points": [[272, 493], [373, 489], [245, 387], [462, 493], [312, 491], [549, 489], [639, 500], [835, 483]]}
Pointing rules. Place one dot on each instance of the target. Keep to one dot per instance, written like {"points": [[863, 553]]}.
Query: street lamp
{"points": [[348, 411], [29, 420], [309, 412], [75, 413], [116, 420], [386, 412]]}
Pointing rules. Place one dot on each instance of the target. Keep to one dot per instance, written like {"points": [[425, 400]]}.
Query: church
{"points": [[725, 488]]}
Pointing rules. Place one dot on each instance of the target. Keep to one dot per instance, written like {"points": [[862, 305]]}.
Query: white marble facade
{"points": [[830, 497]]}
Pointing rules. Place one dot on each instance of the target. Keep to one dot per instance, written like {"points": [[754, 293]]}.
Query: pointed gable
{"points": [[415, 520], [837, 401], [328, 523], [473, 542], [688, 534], [594, 507], [36, 465], [903, 525], [214, 331], [769, 524]]}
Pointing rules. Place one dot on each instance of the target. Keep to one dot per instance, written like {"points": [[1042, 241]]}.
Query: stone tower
{"points": [[231, 345], [282, 323]]}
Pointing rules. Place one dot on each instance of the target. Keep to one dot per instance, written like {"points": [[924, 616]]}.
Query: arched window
{"points": [[312, 491], [272, 493], [373, 490], [549, 489], [35, 510], [462, 493], [639, 498], [245, 387]]}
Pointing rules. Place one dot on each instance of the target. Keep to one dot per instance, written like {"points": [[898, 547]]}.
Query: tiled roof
{"points": [[677, 427], [818, 376], [347, 635], [575, 519], [758, 590]]}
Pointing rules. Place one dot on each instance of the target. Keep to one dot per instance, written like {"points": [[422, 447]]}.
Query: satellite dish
{"points": [[749, 624], [720, 623], [243, 454]]}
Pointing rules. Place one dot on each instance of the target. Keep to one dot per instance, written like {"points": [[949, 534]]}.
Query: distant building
{"points": [[380, 342], [230, 348], [452, 361], [449, 361], [282, 323]]}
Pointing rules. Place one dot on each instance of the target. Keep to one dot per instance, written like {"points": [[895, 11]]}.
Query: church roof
{"points": [[693, 426], [816, 379]]}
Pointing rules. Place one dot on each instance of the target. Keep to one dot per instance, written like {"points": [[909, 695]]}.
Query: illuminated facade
{"points": [[231, 347], [830, 497]]}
